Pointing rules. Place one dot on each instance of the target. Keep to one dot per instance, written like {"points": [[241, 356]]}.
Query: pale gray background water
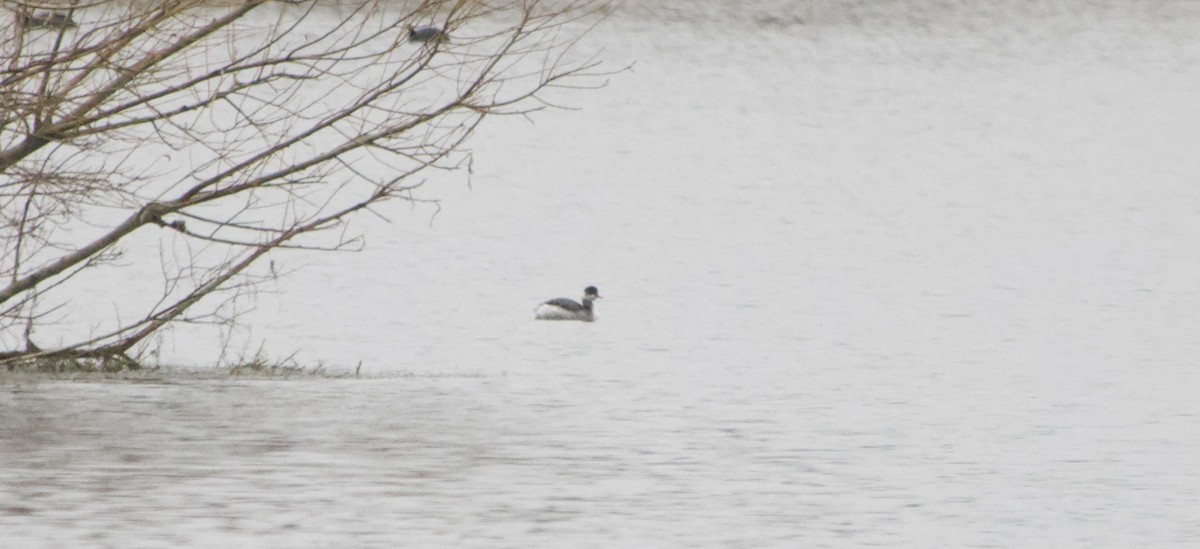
{"points": [[875, 273]]}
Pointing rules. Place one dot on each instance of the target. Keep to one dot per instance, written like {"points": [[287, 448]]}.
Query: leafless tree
{"points": [[224, 131]]}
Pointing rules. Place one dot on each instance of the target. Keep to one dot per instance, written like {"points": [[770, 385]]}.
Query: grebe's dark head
{"points": [[591, 293]]}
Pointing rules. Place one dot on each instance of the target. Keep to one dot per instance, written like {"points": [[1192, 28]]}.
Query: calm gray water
{"points": [[875, 273]]}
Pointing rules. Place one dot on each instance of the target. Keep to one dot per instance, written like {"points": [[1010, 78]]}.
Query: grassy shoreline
{"points": [[173, 373]]}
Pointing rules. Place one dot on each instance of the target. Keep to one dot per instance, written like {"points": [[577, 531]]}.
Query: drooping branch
{"points": [[240, 135]]}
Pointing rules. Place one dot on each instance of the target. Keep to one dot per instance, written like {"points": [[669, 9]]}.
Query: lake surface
{"points": [[874, 274]]}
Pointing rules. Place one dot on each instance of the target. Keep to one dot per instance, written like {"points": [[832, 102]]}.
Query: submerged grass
{"points": [[257, 368], [126, 369]]}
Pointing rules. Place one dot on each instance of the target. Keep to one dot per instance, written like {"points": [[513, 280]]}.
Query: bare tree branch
{"points": [[234, 129]]}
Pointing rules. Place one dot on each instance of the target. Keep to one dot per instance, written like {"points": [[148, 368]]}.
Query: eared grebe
{"points": [[426, 34], [567, 309]]}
